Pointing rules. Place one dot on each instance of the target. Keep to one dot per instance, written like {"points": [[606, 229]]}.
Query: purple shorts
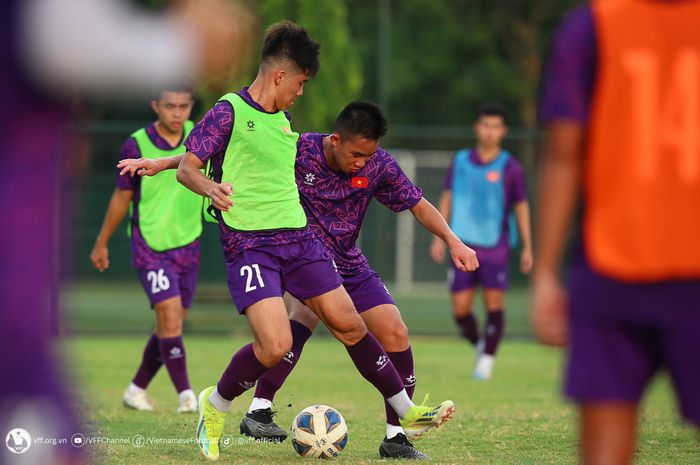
{"points": [[489, 275], [304, 269], [163, 282], [367, 290], [622, 334]]}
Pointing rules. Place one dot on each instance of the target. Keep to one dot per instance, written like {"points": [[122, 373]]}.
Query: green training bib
{"points": [[169, 213], [259, 164]]}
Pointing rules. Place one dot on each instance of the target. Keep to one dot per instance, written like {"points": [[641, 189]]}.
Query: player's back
{"points": [[642, 174]]}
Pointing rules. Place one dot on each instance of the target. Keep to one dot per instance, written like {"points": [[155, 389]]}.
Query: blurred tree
{"points": [[340, 77], [449, 56], [339, 80]]}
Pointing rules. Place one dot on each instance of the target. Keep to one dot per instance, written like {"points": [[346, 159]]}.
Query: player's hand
{"points": [[140, 166], [463, 257], [100, 257], [220, 196], [437, 251], [526, 260], [549, 313]]}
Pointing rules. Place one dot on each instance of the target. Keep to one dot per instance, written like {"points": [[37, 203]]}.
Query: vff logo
{"points": [[18, 441]]}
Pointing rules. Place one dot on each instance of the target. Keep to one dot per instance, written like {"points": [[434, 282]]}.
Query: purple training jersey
{"points": [[208, 141], [142, 256], [515, 191], [571, 69], [335, 206]]}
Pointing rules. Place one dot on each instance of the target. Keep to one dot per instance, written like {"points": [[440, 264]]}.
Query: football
{"points": [[319, 431]]}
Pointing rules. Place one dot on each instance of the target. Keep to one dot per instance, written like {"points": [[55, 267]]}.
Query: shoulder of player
{"points": [[222, 107], [130, 148], [381, 167], [576, 29], [382, 158], [310, 144], [513, 169], [513, 163]]}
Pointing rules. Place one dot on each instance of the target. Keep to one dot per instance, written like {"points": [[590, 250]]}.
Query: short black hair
{"points": [[361, 118], [290, 41], [492, 109], [183, 87]]}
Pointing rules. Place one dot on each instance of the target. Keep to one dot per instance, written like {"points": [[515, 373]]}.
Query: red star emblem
{"points": [[493, 176], [360, 182]]}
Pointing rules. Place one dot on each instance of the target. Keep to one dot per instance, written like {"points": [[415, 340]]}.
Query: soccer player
{"points": [[621, 104], [267, 244], [484, 188], [338, 175], [165, 226]]}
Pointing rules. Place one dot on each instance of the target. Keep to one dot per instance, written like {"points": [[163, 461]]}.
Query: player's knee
{"points": [[168, 326], [350, 332], [271, 353], [394, 339], [399, 335]]}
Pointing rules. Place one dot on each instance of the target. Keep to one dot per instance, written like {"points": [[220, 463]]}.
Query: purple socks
{"points": [[150, 363], [172, 353], [469, 327], [241, 374], [493, 331], [274, 378], [403, 362], [375, 366]]}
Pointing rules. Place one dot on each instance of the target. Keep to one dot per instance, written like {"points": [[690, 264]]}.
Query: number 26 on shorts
{"points": [[159, 282]]}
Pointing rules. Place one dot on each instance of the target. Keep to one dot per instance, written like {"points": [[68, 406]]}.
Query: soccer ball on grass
{"points": [[319, 431]]}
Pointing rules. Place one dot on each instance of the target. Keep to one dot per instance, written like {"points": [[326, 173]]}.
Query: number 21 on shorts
{"points": [[247, 272]]}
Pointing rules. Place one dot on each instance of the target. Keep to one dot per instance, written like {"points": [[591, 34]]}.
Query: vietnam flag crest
{"points": [[360, 182]]}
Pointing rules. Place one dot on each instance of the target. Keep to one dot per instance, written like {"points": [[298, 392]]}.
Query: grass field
{"points": [[516, 418], [121, 308]]}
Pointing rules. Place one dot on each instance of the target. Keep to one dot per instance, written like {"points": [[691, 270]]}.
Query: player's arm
{"points": [[437, 248], [116, 211], [432, 220], [189, 174], [560, 185], [522, 218], [148, 166]]}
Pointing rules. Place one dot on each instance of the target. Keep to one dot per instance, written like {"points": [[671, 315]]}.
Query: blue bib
{"points": [[479, 201]]}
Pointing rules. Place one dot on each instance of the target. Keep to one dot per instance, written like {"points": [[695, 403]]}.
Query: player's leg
{"points": [[303, 322], [608, 432], [335, 310], [135, 394], [615, 348], [160, 284], [462, 286], [681, 351], [312, 278], [272, 339], [170, 316], [258, 422], [255, 282], [378, 310], [188, 399], [385, 323], [494, 279], [493, 333]]}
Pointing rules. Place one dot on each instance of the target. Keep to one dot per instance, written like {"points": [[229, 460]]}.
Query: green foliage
{"points": [[339, 80], [447, 57]]}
